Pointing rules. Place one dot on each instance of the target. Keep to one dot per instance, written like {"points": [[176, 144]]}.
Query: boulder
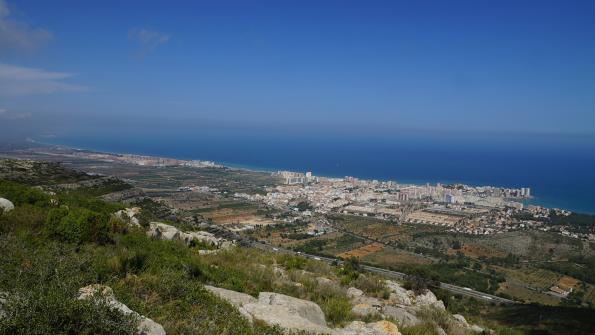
{"points": [[129, 213], [374, 328], [288, 313], [476, 329], [440, 331], [324, 281], [461, 320], [237, 299], [405, 318], [398, 294], [6, 205], [145, 326], [353, 292], [233, 297], [363, 310], [429, 299], [163, 231], [166, 232], [207, 238]]}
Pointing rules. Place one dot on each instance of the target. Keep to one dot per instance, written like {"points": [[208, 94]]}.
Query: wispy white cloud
{"points": [[18, 35], [18, 80], [148, 40], [10, 115]]}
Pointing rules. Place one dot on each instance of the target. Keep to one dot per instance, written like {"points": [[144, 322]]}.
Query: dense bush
{"points": [[78, 225], [20, 194]]}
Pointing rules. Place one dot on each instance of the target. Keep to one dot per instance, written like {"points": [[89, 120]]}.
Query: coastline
{"points": [[568, 190], [532, 200]]}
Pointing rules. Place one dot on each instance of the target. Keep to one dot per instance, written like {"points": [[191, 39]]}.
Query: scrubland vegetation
{"points": [[52, 244]]}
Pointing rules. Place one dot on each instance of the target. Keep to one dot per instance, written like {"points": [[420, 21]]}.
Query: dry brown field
{"points": [[361, 251]]}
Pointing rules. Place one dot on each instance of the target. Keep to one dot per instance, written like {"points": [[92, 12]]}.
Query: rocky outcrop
{"points": [[375, 328], [476, 329], [5, 205], [464, 324], [296, 314], [130, 215], [237, 299], [461, 319], [354, 293], [145, 326], [324, 281], [166, 232], [288, 313], [429, 299], [403, 316], [399, 295], [363, 310]]}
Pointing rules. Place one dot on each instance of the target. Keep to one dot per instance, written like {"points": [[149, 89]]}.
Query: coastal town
{"points": [[477, 210]]}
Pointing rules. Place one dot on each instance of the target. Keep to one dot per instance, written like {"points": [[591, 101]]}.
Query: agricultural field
{"points": [[361, 252], [391, 257]]}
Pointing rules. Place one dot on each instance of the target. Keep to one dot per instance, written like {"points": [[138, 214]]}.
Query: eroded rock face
{"points": [[146, 326], [6, 205]]}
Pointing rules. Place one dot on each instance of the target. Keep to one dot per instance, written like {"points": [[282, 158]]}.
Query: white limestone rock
{"points": [[353, 293], [6, 205], [429, 299], [324, 281], [398, 294], [146, 326], [405, 318], [363, 310], [130, 214], [374, 328], [476, 329], [461, 319], [166, 232], [288, 313], [237, 299]]}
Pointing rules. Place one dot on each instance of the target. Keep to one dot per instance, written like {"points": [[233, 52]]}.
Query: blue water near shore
{"points": [[560, 171]]}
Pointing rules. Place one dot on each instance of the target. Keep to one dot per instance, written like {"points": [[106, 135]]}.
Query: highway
{"points": [[465, 291]]}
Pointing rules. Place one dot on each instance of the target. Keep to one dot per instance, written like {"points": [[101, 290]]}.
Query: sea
{"points": [[559, 169]]}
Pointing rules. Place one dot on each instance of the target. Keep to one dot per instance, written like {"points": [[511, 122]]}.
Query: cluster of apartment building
{"points": [[460, 208]]}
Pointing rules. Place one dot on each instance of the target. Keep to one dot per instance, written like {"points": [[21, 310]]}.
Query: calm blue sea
{"points": [[559, 169]]}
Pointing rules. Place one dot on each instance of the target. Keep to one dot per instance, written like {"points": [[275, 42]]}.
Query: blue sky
{"points": [[421, 66]]}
